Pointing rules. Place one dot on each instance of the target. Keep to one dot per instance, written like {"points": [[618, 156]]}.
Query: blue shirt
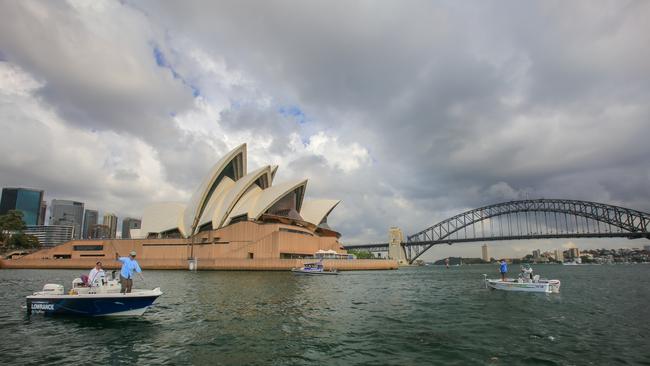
{"points": [[129, 266], [504, 267]]}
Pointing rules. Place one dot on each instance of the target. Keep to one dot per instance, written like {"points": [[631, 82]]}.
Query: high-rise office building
{"points": [[99, 232], [128, 224], [558, 255], [571, 253], [484, 249], [110, 220], [42, 213], [27, 201], [90, 220], [68, 213]]}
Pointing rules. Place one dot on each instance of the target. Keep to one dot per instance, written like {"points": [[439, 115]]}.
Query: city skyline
{"points": [[46, 216], [421, 110], [502, 249]]}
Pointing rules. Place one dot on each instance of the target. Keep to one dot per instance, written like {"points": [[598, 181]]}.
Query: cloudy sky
{"points": [[408, 111]]}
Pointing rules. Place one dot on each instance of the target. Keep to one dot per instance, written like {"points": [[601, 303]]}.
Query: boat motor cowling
{"points": [[53, 289]]}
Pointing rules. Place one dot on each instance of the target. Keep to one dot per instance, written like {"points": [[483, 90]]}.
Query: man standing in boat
{"points": [[503, 269], [129, 267]]}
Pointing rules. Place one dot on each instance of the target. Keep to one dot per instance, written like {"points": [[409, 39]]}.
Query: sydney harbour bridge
{"points": [[526, 219]]}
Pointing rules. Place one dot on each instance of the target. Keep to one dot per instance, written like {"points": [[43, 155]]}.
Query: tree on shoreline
{"points": [[11, 232], [361, 254]]}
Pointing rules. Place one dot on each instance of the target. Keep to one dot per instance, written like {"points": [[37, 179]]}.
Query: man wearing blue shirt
{"points": [[503, 269], [129, 267]]}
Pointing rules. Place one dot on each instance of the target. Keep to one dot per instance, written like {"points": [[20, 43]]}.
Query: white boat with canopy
{"points": [[526, 282]]}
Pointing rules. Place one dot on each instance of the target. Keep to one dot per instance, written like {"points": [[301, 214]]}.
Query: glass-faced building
{"points": [[90, 220], [128, 224], [52, 235], [27, 201], [110, 221], [67, 213]]}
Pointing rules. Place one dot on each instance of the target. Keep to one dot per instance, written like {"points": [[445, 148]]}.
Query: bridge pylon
{"points": [[396, 250]]}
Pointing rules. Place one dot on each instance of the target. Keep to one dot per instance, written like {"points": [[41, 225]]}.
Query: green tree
{"points": [[23, 241], [361, 254], [10, 223]]}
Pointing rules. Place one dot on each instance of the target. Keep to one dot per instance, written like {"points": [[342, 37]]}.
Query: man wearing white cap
{"points": [[129, 267]]}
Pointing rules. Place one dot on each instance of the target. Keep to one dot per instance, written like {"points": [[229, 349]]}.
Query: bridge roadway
{"points": [[525, 220], [383, 247]]}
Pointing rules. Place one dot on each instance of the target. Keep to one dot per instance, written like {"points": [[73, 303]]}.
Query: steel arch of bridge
{"points": [[630, 223]]}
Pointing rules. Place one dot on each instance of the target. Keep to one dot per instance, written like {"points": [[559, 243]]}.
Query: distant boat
{"points": [[525, 283], [573, 263], [313, 268]]}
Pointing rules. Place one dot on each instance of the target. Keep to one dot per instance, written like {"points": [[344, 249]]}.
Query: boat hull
{"points": [[551, 286], [92, 305]]}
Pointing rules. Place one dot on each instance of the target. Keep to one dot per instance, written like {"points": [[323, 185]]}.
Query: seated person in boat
{"points": [[526, 273], [96, 275], [129, 267]]}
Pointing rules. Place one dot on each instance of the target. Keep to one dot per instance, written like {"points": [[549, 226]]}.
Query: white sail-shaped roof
{"points": [[216, 200], [245, 203], [260, 177], [316, 210], [201, 196], [274, 169], [228, 193], [273, 194], [161, 217], [256, 201]]}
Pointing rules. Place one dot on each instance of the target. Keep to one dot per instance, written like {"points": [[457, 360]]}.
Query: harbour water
{"points": [[423, 315]]}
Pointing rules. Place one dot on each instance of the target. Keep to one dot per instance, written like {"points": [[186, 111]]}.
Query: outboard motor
{"points": [[52, 289]]}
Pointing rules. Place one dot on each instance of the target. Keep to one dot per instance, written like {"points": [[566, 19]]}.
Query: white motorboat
{"points": [[526, 282], [313, 268], [572, 263], [103, 298]]}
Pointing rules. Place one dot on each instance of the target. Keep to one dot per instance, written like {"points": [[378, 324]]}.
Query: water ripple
{"points": [[418, 315]]}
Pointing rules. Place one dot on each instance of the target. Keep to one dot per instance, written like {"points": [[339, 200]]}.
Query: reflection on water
{"points": [[414, 315]]}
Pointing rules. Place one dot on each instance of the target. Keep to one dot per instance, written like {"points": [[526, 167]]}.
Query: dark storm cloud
{"points": [[458, 105], [87, 75], [105, 74], [458, 99]]}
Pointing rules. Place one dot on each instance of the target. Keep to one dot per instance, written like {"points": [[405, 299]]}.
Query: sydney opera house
{"points": [[229, 195], [234, 220]]}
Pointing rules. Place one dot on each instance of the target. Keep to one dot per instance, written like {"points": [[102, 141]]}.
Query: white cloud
{"points": [[42, 151], [410, 113], [346, 157]]}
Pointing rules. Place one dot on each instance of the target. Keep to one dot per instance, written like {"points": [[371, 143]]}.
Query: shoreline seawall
{"points": [[225, 264]]}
